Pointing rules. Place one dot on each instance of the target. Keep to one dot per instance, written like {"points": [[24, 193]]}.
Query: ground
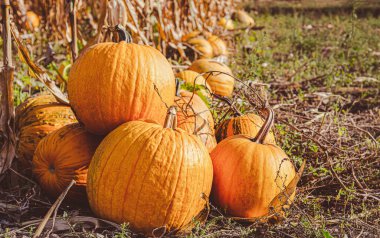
{"points": [[322, 73]]}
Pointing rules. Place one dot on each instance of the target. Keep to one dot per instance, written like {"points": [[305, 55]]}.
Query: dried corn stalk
{"points": [[158, 23]]}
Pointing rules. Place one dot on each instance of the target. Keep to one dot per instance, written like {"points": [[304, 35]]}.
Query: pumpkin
{"points": [[112, 83], [218, 45], [32, 21], [244, 18], [36, 118], [249, 174], [190, 35], [249, 124], [194, 80], [220, 83], [150, 176], [203, 46], [195, 118], [62, 156], [227, 24]]}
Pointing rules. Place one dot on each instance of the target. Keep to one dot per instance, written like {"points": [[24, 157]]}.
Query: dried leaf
{"points": [[38, 73], [282, 198]]}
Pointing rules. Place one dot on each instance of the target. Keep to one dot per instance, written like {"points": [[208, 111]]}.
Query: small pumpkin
{"points": [[194, 80], [195, 118], [190, 35], [32, 21], [150, 176], [249, 173], [220, 83], [112, 83], [249, 124], [203, 46], [219, 46], [62, 156], [227, 24], [37, 117], [244, 18]]}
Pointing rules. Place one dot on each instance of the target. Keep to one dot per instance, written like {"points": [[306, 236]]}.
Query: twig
{"points": [[22, 176], [52, 209]]}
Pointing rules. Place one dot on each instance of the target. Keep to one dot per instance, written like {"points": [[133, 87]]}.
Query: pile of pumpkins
{"points": [[144, 152]]}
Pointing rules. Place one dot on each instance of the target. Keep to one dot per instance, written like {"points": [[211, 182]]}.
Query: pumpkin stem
{"points": [[171, 118], [264, 130], [229, 103], [178, 84], [123, 34]]}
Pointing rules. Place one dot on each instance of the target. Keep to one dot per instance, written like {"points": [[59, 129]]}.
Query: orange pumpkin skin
{"points": [[62, 156], [36, 118], [32, 21], [248, 176], [218, 45], [203, 46], [112, 83], [162, 174], [220, 84], [195, 118], [249, 124]]}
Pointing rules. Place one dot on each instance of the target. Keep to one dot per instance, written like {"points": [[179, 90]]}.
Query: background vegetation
{"points": [[323, 75]]}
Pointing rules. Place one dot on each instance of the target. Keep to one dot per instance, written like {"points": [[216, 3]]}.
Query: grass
{"points": [[324, 78]]}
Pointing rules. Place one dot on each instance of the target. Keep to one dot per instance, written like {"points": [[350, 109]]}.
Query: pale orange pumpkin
{"points": [[227, 24], [37, 117], [203, 46], [150, 176], [112, 83], [244, 18], [219, 46], [220, 83], [195, 81], [249, 174], [190, 35], [62, 156], [32, 21], [195, 118]]}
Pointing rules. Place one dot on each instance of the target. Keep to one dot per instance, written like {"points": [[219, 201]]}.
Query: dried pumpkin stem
{"points": [[171, 118], [229, 103], [178, 84], [263, 132], [123, 34]]}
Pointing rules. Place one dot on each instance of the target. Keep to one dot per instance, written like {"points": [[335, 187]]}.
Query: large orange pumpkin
{"points": [[35, 118], [195, 118], [249, 174], [112, 83], [62, 156], [150, 176], [248, 124], [220, 83]]}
